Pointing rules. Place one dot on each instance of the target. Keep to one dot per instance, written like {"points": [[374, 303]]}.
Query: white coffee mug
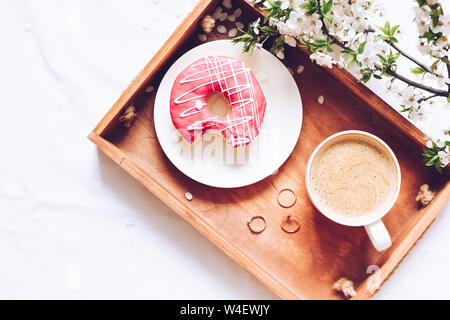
{"points": [[372, 223]]}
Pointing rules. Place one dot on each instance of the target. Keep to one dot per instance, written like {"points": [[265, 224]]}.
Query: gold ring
{"points": [[286, 198], [290, 223], [255, 229]]}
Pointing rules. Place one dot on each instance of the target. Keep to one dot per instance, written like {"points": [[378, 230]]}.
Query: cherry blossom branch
{"points": [[386, 65], [304, 24], [436, 92], [427, 98], [407, 56], [448, 75]]}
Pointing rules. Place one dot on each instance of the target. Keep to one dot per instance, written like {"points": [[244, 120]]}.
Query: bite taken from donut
{"points": [[229, 77]]}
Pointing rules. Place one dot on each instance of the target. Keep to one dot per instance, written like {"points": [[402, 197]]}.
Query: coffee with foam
{"points": [[353, 176]]}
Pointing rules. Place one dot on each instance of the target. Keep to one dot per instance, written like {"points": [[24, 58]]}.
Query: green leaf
{"points": [[320, 41], [435, 19], [361, 47], [395, 57], [246, 46], [351, 61], [278, 42], [311, 7], [329, 48], [437, 165], [327, 7], [367, 74], [268, 16], [382, 59], [366, 77], [448, 98], [251, 47], [269, 30], [380, 37], [305, 6], [347, 52], [393, 30], [434, 65], [421, 2], [382, 29], [431, 36], [417, 70], [427, 152], [387, 28], [436, 12], [430, 162]]}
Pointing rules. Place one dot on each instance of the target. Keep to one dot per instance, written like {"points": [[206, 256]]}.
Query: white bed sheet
{"points": [[75, 225]]}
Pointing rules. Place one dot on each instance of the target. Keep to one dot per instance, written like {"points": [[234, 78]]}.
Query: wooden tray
{"points": [[303, 265]]}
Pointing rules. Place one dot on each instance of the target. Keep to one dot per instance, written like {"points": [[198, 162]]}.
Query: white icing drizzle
{"points": [[194, 109], [215, 73]]}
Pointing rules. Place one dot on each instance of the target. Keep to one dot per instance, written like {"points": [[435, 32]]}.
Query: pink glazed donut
{"points": [[238, 84]]}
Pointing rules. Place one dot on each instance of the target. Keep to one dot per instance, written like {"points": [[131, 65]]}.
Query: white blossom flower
{"points": [[442, 42], [442, 25], [285, 4], [272, 22], [254, 25], [410, 98], [341, 63], [322, 59], [290, 40], [444, 157], [312, 24], [347, 35], [293, 25], [416, 115], [440, 144], [422, 18], [429, 143], [392, 88], [445, 27], [435, 47], [438, 51], [423, 47], [352, 24], [439, 79], [280, 53], [336, 26], [369, 56]]}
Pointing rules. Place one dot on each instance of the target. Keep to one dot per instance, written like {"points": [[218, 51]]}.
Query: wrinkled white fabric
{"points": [[75, 225]]}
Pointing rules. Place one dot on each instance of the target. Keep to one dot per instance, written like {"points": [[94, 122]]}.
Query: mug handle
{"points": [[378, 235]]}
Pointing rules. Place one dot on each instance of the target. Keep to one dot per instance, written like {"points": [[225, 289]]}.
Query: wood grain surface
{"points": [[302, 265]]}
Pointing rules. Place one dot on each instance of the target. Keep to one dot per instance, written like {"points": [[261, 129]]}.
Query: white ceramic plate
{"points": [[211, 161]]}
